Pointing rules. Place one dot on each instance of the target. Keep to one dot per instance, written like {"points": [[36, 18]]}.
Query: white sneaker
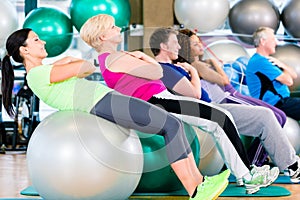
{"points": [[295, 175], [261, 177], [239, 182]]}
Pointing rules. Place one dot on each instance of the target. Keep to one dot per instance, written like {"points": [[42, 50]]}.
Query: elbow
{"points": [[289, 83], [198, 95], [226, 81], [160, 72], [295, 76]]}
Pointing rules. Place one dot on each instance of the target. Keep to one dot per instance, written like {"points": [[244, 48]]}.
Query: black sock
{"points": [[294, 166], [195, 193]]}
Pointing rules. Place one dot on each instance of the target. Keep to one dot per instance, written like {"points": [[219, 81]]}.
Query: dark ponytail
{"points": [[7, 83], [13, 44]]}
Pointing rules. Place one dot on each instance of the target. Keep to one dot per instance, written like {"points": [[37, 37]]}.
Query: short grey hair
{"points": [[260, 33]]}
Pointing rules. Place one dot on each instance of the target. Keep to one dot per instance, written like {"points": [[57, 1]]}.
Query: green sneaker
{"points": [[212, 186]]}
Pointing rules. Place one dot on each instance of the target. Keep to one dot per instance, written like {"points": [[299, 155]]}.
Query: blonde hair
{"points": [[92, 29]]}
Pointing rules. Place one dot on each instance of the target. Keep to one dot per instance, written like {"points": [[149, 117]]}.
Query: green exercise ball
{"points": [[52, 26], [158, 175], [82, 10]]}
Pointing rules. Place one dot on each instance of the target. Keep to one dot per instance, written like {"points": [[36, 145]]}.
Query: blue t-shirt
{"points": [[172, 74], [258, 63]]}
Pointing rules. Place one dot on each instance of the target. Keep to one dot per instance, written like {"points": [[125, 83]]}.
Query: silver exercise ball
{"points": [[292, 130], [225, 50], [76, 155], [8, 20], [290, 55], [248, 15], [211, 161], [202, 15], [290, 17]]}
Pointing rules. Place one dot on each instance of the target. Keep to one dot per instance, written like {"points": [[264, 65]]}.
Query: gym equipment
{"points": [[82, 10], [202, 15], [290, 54], [248, 15], [76, 155], [56, 31], [290, 18], [8, 20], [158, 175]]}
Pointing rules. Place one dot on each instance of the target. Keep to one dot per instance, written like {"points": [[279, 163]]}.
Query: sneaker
{"points": [[212, 186], [261, 177], [295, 175], [261, 169], [239, 182], [271, 174]]}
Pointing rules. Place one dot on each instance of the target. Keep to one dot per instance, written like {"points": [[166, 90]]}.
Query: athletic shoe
{"points": [[239, 182], [212, 186], [295, 175], [254, 170], [261, 177], [271, 174]]}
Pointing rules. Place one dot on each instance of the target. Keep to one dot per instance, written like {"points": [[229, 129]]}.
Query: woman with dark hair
{"points": [[212, 75], [269, 132], [61, 85]]}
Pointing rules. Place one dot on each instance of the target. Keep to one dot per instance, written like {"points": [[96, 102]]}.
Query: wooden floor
{"points": [[14, 178]]}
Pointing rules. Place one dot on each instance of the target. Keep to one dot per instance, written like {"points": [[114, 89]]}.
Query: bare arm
{"points": [[288, 73], [64, 69], [185, 87], [136, 64], [209, 74], [66, 60]]}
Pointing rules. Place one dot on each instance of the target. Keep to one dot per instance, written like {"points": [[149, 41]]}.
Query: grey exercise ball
{"points": [[290, 55], [225, 50], [292, 130], [76, 155], [290, 17], [203, 15], [248, 15]]}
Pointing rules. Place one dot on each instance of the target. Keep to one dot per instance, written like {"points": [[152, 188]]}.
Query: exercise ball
{"points": [[225, 50], [2, 53], [82, 10], [233, 75], [292, 130], [8, 20], [290, 18], [158, 176], [202, 15], [248, 15], [211, 161], [290, 55], [76, 155], [53, 26]]}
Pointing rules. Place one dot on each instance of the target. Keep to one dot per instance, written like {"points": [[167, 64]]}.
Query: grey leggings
{"points": [[133, 113]]}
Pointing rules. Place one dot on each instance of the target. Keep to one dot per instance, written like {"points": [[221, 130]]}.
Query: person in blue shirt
{"points": [[268, 78], [254, 121]]}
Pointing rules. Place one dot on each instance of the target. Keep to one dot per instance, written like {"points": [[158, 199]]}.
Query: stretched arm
{"points": [[135, 63], [288, 73], [70, 67], [66, 60], [190, 88]]}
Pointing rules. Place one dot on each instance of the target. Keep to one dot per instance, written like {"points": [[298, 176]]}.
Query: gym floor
{"points": [[14, 178]]}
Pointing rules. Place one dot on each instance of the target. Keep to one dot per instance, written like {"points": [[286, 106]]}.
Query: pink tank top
{"points": [[129, 85]]}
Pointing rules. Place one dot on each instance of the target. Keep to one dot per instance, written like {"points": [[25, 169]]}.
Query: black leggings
{"points": [[196, 109], [133, 113]]}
